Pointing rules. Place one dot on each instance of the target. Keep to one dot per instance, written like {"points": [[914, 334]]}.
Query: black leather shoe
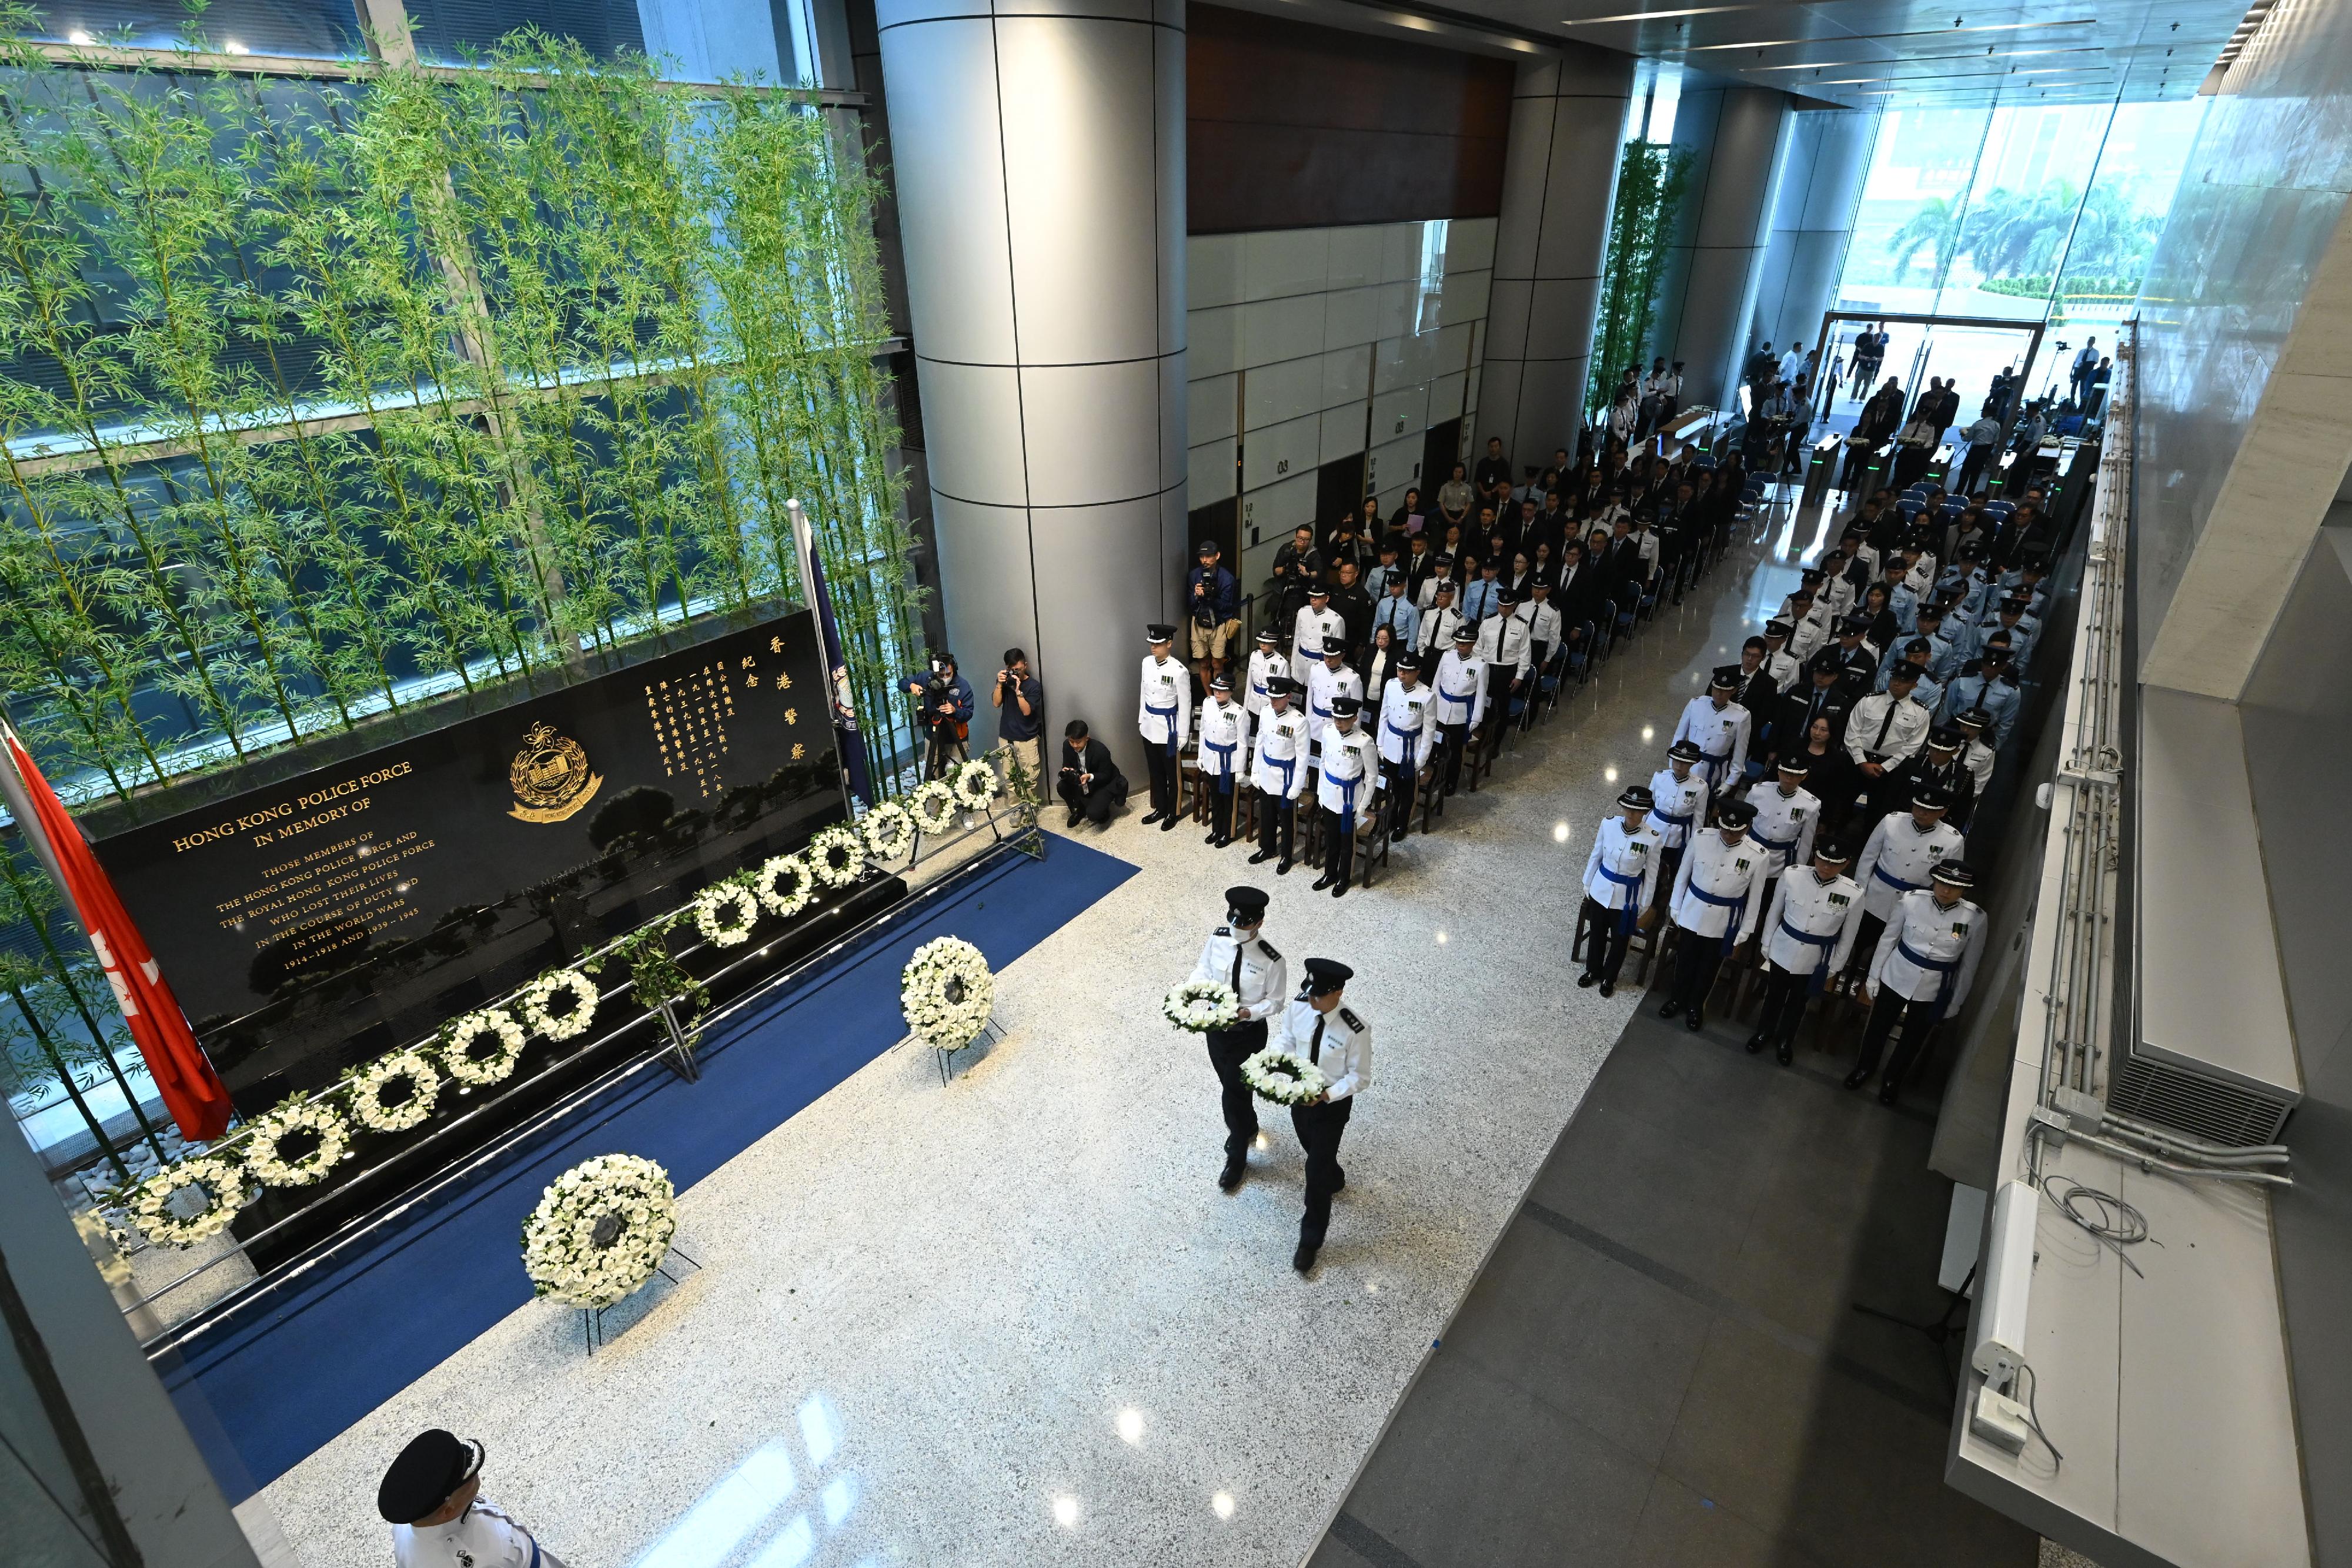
{"points": [[1340, 890], [1231, 1176], [1887, 1092], [1074, 815], [1304, 1258], [1669, 1010], [1284, 869], [1151, 817], [1608, 988], [1755, 1042], [1210, 837], [1325, 879], [1168, 823], [1586, 981], [1695, 1020], [1342, 1185], [1261, 857], [1857, 1078], [1783, 1054]]}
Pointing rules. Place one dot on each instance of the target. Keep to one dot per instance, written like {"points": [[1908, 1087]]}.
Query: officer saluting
{"points": [[1237, 955], [1316, 1028]]}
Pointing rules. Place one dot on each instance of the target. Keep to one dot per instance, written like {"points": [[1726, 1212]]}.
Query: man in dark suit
{"points": [[1939, 764], [1091, 785], [1818, 697]]}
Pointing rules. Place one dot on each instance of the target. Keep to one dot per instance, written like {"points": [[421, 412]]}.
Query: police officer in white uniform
{"points": [[1164, 717], [1504, 645], [1976, 756], [1680, 795], [1318, 1030], [1264, 664], [1238, 954], [1926, 961], [1885, 730], [1278, 772], [1346, 786], [1781, 664], [1807, 935], [1224, 752], [1316, 627], [1897, 857], [1787, 814], [1327, 680], [1719, 898], [1460, 685], [1621, 876], [1408, 734], [432, 1498], [1720, 726]]}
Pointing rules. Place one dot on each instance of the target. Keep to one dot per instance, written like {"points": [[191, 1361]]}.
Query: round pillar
{"points": [[1560, 176], [1738, 133], [1812, 215], [1039, 160]]}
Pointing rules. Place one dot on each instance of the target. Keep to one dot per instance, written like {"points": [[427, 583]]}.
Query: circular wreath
{"points": [[409, 1069], [890, 831], [769, 885], [725, 912], [947, 992], [837, 857], [570, 1022], [1283, 1077], [934, 806], [600, 1230], [1201, 1006], [975, 785], [148, 1206], [480, 1071], [264, 1147]]}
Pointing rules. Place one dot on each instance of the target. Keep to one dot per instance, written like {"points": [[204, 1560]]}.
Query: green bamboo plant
{"points": [[1651, 179]]}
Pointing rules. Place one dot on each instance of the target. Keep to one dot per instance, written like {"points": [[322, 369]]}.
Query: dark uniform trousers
{"points": [[1221, 806], [1228, 1049], [1338, 847], [1697, 960], [1454, 738], [1604, 940], [1276, 814], [1865, 944], [1785, 996], [1318, 1128], [1403, 788], [1162, 764], [1918, 1020], [1669, 862]]}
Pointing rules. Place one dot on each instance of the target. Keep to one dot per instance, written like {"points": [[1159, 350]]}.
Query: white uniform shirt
{"points": [[1885, 729], [1926, 946], [1620, 860], [1281, 745], [1503, 640], [1978, 759], [1224, 737], [1543, 626], [1342, 1048], [1810, 632], [1460, 687], [1309, 631], [1898, 857], [1681, 806], [1784, 824], [481, 1537], [1721, 733], [1323, 684], [1350, 757], [1408, 724], [1803, 904], [1437, 630], [1783, 668], [1264, 978], [1263, 666], [1166, 709], [1721, 871]]}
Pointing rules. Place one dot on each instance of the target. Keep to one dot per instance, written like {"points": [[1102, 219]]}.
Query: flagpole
{"points": [[849, 746]]}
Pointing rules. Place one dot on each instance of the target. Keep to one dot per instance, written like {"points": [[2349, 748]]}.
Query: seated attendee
{"points": [[1091, 784]]}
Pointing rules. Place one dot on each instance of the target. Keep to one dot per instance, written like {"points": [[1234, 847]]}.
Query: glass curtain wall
{"points": [[2027, 212]]}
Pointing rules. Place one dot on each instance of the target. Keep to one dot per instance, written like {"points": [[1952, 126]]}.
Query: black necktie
{"points": [[1884, 726], [1236, 981], [1315, 1044]]}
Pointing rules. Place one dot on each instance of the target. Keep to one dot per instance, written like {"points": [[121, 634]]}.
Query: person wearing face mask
{"points": [[1238, 955]]}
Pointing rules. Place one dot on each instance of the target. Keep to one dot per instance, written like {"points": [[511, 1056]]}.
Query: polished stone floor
{"points": [[1013, 1321]]}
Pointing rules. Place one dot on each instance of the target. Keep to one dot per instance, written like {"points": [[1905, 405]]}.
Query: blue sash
{"points": [[1821, 969], [1411, 739], [1168, 713], [1347, 787], [1683, 822], [1465, 699], [1632, 886], [1289, 766], [1779, 846], [1225, 755], [1722, 901], [1897, 882], [1940, 967]]}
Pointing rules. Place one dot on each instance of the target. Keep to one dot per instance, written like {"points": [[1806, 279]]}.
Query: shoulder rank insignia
{"points": [[1268, 948], [1351, 1020], [1224, 931]]}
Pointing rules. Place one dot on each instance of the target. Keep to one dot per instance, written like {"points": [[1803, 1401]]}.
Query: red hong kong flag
{"points": [[192, 1091]]}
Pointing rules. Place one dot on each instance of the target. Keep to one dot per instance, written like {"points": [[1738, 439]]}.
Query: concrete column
{"points": [[1560, 177], [1813, 215], [1040, 167], [1735, 135]]}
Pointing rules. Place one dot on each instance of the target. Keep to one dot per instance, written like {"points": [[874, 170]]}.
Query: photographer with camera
{"points": [[1213, 604], [1020, 701], [942, 714]]}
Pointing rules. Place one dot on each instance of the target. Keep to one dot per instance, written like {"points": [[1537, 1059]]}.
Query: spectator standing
{"points": [[1456, 496], [1213, 604]]}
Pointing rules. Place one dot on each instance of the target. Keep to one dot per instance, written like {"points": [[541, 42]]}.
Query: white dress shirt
{"points": [[1323, 684], [1279, 766], [1264, 977], [1811, 919], [481, 1537], [1885, 729], [1717, 880], [1337, 1043], [1721, 733], [1308, 634], [1224, 737], [1622, 866], [1899, 857], [1460, 687], [1503, 640], [1926, 947], [1408, 724], [1784, 824], [1165, 713], [1348, 775], [1263, 666], [1681, 806]]}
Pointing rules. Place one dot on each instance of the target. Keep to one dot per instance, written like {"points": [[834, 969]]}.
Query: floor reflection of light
{"points": [[1065, 1512], [758, 1515], [1609, 775], [792, 1546], [1649, 733], [1224, 1504], [727, 1514], [1131, 1425], [820, 1429], [1560, 833], [838, 1498]]}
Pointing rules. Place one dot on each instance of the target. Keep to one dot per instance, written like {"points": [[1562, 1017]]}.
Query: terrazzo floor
{"points": [[1013, 1321]]}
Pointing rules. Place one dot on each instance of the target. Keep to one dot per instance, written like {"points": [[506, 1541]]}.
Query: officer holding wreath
{"points": [[1319, 1031], [1238, 955]]}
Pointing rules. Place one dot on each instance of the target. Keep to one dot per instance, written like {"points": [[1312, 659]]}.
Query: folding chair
{"points": [[1629, 601]]}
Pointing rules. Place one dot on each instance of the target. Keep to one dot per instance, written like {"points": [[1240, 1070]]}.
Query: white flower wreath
{"points": [[600, 1230], [546, 988], [1201, 1006], [890, 831], [149, 1208], [1283, 1077], [267, 1139], [725, 912], [480, 1071], [976, 785], [933, 805], [947, 992], [369, 1107], [837, 857], [779, 869]]}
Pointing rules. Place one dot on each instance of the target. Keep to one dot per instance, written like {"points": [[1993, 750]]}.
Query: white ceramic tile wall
{"points": [[1317, 335]]}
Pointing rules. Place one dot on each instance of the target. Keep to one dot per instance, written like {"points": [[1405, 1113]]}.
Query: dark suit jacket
{"points": [[1796, 711], [1917, 769], [1095, 759]]}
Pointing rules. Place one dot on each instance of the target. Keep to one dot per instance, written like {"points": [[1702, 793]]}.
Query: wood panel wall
{"points": [[1290, 125]]}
